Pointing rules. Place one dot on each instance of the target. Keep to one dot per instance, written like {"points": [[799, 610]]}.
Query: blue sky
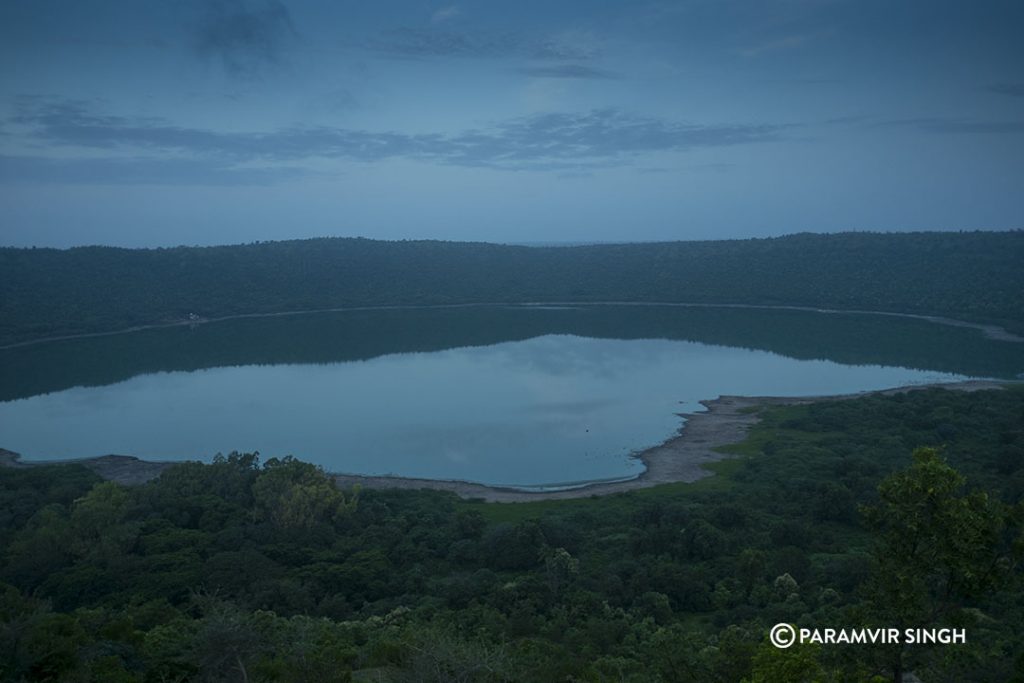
{"points": [[157, 123]]}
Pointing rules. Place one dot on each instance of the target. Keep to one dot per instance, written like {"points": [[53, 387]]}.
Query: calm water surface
{"points": [[550, 408]]}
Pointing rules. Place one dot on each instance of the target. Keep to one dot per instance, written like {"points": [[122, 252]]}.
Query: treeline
{"points": [[972, 276], [242, 571]]}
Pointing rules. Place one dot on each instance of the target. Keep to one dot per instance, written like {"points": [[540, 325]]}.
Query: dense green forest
{"points": [[882, 510], [971, 276]]}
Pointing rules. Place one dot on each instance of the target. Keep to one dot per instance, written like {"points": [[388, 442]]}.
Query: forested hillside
{"points": [[974, 276]]}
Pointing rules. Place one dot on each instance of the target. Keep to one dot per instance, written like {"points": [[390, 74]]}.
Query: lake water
{"points": [[521, 396]]}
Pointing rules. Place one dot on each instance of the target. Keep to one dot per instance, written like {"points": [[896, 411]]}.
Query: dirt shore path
{"points": [[725, 421]]}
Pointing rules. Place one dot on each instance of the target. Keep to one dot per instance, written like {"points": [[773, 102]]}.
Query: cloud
{"points": [[1011, 89], [444, 14], [139, 171], [72, 123], [567, 46], [419, 42], [570, 46], [846, 120], [786, 42], [775, 45], [567, 71], [550, 141], [596, 135], [245, 37], [957, 126]]}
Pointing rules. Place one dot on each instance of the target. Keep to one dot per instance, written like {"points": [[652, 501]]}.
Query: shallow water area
{"points": [[549, 400]]}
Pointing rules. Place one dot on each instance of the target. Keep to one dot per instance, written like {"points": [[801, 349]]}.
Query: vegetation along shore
{"points": [[270, 568], [681, 459]]}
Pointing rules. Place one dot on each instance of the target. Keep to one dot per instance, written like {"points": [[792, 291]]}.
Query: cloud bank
{"points": [[552, 140]]}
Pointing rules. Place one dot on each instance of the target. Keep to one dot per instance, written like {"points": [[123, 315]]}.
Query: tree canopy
{"points": [[240, 570]]}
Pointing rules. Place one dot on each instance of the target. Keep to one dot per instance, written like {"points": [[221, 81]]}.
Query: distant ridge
{"points": [[570, 244], [973, 276]]}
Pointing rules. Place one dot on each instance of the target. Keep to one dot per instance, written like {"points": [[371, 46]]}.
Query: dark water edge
{"points": [[850, 339]]}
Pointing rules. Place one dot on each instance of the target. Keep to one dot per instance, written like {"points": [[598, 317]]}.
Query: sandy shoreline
{"points": [[681, 458]]}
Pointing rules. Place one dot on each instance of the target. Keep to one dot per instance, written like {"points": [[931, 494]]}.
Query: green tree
{"points": [[797, 664], [936, 550], [560, 569], [229, 642], [296, 495]]}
